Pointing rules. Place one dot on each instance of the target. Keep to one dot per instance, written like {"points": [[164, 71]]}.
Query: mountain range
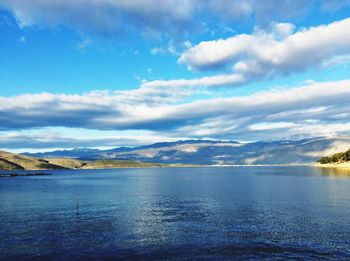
{"points": [[213, 152]]}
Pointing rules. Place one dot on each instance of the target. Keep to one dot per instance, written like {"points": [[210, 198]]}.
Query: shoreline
{"points": [[171, 166], [16, 174], [343, 165]]}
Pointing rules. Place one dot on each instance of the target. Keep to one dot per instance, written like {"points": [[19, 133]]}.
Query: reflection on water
{"points": [[335, 172], [189, 213]]}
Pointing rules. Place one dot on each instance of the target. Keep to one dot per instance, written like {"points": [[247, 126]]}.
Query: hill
{"points": [[12, 161], [342, 157], [100, 164], [66, 162]]}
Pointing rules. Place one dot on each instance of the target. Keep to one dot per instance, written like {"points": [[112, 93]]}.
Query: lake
{"points": [[219, 213]]}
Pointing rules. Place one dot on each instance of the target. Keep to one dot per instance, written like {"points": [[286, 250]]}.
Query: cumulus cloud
{"points": [[291, 110], [266, 54], [262, 54]]}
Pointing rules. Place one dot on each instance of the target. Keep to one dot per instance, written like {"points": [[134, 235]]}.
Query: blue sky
{"points": [[114, 73]]}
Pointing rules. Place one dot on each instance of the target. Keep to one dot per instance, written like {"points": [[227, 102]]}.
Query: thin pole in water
{"points": [[78, 198]]}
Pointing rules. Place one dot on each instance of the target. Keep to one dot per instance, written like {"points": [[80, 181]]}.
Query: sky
{"points": [[110, 73]]}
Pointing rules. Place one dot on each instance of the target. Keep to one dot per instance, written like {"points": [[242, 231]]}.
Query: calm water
{"points": [[183, 213]]}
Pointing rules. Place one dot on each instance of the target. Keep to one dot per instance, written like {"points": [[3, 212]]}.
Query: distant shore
{"points": [[343, 165]]}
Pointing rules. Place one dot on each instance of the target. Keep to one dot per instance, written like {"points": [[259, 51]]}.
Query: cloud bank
{"points": [[316, 108]]}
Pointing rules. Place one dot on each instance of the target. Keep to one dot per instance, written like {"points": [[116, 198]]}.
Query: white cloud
{"points": [[282, 30], [217, 80], [313, 45], [187, 44], [170, 49], [158, 50], [271, 126], [302, 109], [265, 54], [84, 43], [22, 39]]}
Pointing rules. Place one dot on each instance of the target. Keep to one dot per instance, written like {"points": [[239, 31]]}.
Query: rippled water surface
{"points": [[177, 213]]}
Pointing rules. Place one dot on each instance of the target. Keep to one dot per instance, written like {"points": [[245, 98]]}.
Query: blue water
{"points": [[180, 213]]}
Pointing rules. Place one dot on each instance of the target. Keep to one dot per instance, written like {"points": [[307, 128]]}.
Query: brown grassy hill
{"points": [[8, 165], [102, 164], [66, 162], [12, 161]]}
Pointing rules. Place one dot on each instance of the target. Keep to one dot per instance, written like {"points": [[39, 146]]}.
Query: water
{"points": [[180, 213]]}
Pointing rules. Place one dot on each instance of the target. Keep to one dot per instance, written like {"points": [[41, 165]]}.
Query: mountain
{"points": [[301, 151], [74, 153]]}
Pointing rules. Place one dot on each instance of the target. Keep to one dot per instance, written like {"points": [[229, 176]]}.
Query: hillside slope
{"points": [[8, 165], [99, 164], [66, 162], [12, 161]]}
